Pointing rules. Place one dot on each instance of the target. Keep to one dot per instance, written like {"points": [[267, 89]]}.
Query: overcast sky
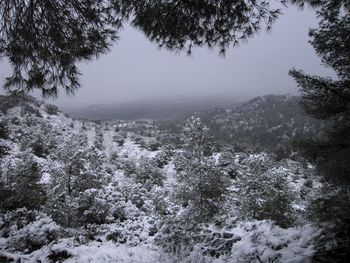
{"points": [[136, 69]]}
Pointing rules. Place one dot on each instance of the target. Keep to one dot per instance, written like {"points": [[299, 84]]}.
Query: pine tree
{"points": [[21, 185], [202, 186], [329, 100]]}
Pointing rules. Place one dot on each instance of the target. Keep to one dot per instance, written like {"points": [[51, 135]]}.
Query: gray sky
{"points": [[137, 69]]}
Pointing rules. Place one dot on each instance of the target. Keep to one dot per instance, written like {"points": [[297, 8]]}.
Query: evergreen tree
{"points": [[202, 186], [21, 187], [265, 196], [329, 99], [197, 138]]}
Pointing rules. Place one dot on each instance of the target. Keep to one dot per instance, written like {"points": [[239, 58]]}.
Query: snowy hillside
{"points": [[80, 191], [270, 123]]}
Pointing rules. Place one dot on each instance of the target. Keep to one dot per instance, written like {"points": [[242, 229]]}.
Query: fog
{"points": [[136, 69]]}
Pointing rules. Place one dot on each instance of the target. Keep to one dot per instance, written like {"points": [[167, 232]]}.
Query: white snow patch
{"points": [[91, 134], [109, 252]]}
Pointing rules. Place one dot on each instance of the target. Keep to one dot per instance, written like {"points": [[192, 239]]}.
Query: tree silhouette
{"points": [[328, 99], [44, 40]]}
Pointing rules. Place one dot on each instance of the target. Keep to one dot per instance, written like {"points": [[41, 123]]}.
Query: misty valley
{"points": [[227, 184], [142, 131]]}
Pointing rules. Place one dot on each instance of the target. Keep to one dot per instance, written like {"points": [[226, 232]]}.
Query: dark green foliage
{"points": [[137, 139], [45, 39], [265, 196], [6, 259], [177, 235], [148, 174], [227, 165], [202, 188], [328, 99], [163, 157], [197, 138], [91, 209], [21, 187], [153, 145], [185, 24], [8, 102], [181, 235], [99, 139], [119, 139], [3, 150], [332, 210], [39, 148], [201, 185], [58, 256], [128, 166], [29, 109], [4, 132], [51, 109]]}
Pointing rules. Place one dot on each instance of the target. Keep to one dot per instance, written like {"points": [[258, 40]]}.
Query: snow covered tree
{"points": [[80, 171], [148, 174], [99, 138], [119, 139], [202, 186], [265, 196], [20, 186], [197, 138], [201, 189]]}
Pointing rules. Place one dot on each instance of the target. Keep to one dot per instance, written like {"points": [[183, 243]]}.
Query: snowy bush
{"points": [[119, 139], [265, 196], [128, 166], [30, 110], [92, 209], [181, 161], [99, 139], [255, 241], [162, 158], [20, 186], [51, 109], [136, 194], [178, 235], [137, 139], [227, 164], [202, 188], [153, 145], [262, 241], [38, 148], [148, 174], [27, 230]]}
